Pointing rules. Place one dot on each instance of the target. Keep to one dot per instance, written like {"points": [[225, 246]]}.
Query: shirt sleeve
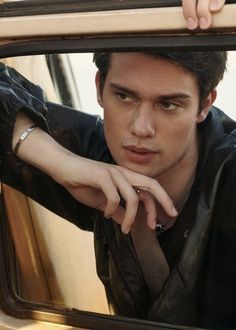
{"points": [[18, 94], [72, 129]]}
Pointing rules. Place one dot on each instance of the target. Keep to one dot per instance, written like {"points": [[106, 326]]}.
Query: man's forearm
{"points": [[39, 149]]}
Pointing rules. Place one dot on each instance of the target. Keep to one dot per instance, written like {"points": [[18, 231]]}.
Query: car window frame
{"points": [[177, 41]]}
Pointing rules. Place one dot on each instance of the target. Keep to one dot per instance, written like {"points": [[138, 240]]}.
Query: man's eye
{"points": [[168, 106], [123, 96]]}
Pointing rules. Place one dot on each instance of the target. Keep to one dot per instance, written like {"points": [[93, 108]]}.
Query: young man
{"points": [[172, 148]]}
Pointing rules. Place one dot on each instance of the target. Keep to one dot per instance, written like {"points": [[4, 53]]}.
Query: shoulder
{"points": [[70, 117], [221, 130], [78, 131]]}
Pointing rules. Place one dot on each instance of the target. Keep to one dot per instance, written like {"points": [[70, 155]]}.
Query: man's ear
{"points": [[209, 100], [98, 87]]}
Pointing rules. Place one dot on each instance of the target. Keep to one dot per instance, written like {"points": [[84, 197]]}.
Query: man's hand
{"points": [[102, 186], [198, 13]]}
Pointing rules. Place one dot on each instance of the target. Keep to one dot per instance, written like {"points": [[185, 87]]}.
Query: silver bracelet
{"points": [[23, 137]]}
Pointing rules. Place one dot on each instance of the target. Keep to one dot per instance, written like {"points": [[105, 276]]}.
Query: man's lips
{"points": [[139, 149], [139, 154]]}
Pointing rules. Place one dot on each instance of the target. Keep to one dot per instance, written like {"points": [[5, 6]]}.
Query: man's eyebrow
{"points": [[124, 89], [163, 97], [183, 96]]}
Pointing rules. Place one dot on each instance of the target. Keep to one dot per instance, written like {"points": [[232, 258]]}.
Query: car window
{"points": [[54, 261], [48, 265]]}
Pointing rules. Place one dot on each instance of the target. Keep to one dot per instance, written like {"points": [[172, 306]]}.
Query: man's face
{"points": [[151, 112]]}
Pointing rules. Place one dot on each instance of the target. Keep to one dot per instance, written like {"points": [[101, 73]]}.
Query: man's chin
{"points": [[138, 168]]}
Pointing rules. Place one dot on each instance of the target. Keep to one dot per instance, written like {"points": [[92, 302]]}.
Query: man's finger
{"points": [[216, 5], [152, 186], [127, 192], [119, 215], [150, 208], [204, 14], [112, 197], [190, 13]]}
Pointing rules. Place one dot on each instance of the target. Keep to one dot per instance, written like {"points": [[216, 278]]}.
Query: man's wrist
{"points": [[22, 138], [22, 123]]}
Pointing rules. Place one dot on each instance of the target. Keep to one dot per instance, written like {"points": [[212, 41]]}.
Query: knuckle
{"points": [[100, 172], [114, 201], [114, 171], [103, 175], [153, 184]]}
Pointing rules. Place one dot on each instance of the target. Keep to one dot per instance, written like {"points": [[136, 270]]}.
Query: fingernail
{"points": [[191, 23], [174, 212], [214, 5], [125, 230], [203, 22], [154, 225]]}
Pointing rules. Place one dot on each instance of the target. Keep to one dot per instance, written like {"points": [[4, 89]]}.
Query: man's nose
{"points": [[143, 124]]}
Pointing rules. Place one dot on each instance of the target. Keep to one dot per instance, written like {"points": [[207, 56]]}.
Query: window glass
{"points": [[225, 89]]}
